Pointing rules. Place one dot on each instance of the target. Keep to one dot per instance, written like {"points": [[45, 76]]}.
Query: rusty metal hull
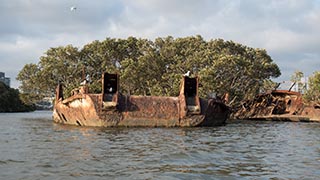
{"points": [[111, 108], [279, 105], [135, 111]]}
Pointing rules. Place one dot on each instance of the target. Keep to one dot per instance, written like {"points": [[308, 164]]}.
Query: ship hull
{"points": [[137, 111], [111, 108], [279, 105]]}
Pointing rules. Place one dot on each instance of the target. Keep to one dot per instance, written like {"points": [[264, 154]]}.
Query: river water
{"points": [[33, 147]]}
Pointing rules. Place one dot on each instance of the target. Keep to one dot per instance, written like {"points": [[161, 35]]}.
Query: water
{"points": [[33, 147]]}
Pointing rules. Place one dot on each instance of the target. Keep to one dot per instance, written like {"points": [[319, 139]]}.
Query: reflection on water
{"points": [[33, 147]]}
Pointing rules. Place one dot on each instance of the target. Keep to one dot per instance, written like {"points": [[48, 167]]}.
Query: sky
{"points": [[288, 29]]}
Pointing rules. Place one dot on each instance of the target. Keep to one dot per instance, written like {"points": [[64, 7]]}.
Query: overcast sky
{"points": [[288, 29]]}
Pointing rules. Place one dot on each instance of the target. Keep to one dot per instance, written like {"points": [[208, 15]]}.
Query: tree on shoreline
{"points": [[10, 100], [313, 92], [296, 78], [153, 67]]}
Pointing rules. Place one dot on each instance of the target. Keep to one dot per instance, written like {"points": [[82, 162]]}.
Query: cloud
{"points": [[287, 29]]}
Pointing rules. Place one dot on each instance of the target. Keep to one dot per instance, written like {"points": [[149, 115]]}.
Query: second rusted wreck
{"points": [[111, 108], [281, 105]]}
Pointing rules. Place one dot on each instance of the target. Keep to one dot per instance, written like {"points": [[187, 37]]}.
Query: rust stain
{"points": [[111, 108], [278, 105]]}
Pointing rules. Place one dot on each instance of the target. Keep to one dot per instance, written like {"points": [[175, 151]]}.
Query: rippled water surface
{"points": [[33, 147]]}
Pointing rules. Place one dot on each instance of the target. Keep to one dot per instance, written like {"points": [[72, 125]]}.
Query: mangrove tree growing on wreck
{"points": [[149, 67]]}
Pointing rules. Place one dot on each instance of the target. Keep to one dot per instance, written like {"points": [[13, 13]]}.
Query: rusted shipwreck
{"points": [[279, 105], [111, 108]]}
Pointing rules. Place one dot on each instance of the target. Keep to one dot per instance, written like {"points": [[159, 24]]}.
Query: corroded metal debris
{"points": [[284, 105], [111, 108]]}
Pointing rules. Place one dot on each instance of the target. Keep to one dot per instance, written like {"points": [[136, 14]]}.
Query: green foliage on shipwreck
{"points": [[153, 67]]}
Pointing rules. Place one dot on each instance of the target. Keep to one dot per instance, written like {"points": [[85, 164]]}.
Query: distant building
{"points": [[4, 79]]}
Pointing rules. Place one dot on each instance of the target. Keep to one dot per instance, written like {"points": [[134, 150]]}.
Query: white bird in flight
{"points": [[73, 8]]}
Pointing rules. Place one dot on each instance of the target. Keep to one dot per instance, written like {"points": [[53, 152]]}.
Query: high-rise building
{"points": [[4, 79]]}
